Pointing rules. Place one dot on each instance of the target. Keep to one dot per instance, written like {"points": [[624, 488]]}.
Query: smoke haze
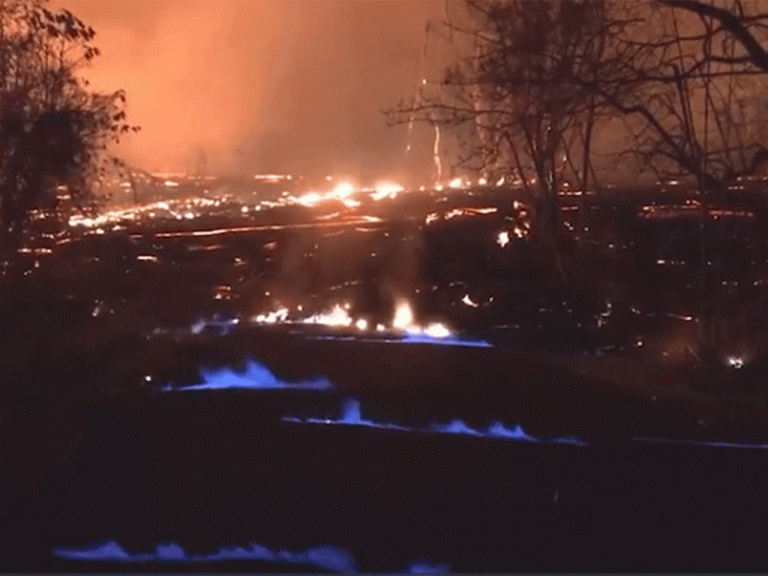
{"points": [[266, 86]]}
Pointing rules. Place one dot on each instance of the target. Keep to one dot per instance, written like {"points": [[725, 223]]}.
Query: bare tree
{"points": [[700, 114], [54, 130], [527, 92], [543, 72], [691, 118], [686, 78]]}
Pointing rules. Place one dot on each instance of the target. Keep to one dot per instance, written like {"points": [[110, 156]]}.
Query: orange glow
{"points": [[264, 87]]}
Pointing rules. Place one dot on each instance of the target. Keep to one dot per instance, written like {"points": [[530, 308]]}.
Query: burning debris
{"points": [[279, 316], [403, 321], [386, 190], [338, 316]]}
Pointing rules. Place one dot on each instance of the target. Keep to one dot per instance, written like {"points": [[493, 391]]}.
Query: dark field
{"points": [[670, 469]]}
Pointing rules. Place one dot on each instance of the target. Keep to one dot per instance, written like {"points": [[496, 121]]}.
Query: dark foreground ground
{"points": [[211, 469], [92, 452]]}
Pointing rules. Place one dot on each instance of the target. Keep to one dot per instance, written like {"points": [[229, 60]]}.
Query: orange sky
{"points": [[264, 85]]}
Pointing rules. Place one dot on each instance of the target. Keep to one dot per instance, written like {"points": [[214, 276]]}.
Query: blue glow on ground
{"points": [[256, 376], [351, 416], [714, 444], [447, 341], [419, 338], [426, 567], [325, 557]]}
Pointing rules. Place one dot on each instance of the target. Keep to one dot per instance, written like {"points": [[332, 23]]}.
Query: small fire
{"points": [[404, 321], [343, 190], [338, 316], [469, 211], [386, 190], [469, 302], [502, 239], [276, 316], [437, 330], [310, 199]]}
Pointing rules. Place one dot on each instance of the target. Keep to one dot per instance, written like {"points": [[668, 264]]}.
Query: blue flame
{"points": [[417, 338], [456, 427], [426, 567], [498, 430], [171, 551], [351, 415], [422, 338], [325, 557], [256, 376]]}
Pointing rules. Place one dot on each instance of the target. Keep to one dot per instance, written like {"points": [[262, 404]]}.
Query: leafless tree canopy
{"points": [[681, 80]]}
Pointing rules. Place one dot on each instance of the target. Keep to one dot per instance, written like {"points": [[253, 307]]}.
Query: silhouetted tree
{"points": [[700, 114], [685, 77], [526, 91], [54, 130]]}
